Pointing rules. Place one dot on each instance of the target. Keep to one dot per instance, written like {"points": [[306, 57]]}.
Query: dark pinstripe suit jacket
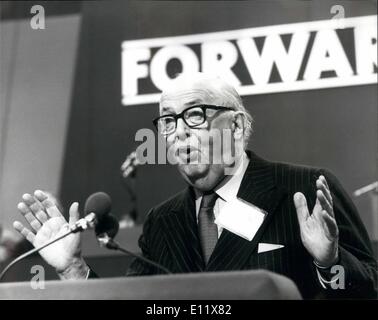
{"points": [[170, 235]]}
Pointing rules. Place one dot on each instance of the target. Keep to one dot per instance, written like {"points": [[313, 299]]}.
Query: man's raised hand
{"points": [[319, 231], [48, 223]]}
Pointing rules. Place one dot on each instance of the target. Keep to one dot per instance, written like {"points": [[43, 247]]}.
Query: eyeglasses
{"points": [[192, 116]]}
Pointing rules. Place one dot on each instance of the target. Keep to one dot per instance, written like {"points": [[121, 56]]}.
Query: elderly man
{"points": [[239, 211]]}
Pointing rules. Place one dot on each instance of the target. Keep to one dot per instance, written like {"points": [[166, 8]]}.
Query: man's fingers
{"points": [[324, 180], [40, 195], [30, 236], [324, 202], [35, 207], [322, 186], [301, 207], [49, 206], [28, 215], [74, 213], [331, 224]]}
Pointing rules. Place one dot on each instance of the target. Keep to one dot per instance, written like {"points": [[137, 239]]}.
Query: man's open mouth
{"points": [[187, 154]]}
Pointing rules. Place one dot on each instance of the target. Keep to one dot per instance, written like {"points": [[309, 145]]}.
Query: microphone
{"points": [[130, 164], [107, 226], [101, 204]]}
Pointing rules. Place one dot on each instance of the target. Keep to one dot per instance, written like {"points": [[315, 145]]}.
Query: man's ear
{"points": [[238, 125]]}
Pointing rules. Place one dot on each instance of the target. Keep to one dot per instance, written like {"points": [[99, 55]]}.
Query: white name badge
{"points": [[241, 218]]}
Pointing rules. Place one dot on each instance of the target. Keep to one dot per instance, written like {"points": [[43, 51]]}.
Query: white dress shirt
{"points": [[227, 190]]}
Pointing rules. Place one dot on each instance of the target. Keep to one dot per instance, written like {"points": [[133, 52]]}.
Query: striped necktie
{"points": [[208, 230]]}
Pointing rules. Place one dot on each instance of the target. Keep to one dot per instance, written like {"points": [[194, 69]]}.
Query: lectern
{"points": [[236, 285]]}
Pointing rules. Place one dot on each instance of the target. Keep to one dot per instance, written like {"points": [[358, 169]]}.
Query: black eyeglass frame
{"points": [[180, 115]]}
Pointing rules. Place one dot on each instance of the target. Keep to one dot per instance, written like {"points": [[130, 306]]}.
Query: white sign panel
{"points": [[301, 64]]}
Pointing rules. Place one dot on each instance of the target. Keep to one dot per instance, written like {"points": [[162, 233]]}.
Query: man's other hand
{"points": [[319, 231]]}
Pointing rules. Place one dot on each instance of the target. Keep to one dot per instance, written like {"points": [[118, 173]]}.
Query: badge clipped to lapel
{"points": [[241, 218]]}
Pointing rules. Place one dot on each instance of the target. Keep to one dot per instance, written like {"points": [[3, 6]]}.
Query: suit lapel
{"points": [[258, 188], [181, 234]]}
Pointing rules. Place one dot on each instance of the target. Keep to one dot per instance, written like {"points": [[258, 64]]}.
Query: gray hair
{"points": [[214, 88]]}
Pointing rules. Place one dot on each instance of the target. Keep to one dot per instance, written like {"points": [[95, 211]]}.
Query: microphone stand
{"points": [[130, 187], [128, 180], [108, 242]]}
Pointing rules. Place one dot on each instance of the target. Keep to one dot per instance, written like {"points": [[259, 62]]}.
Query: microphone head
{"points": [[99, 203]]}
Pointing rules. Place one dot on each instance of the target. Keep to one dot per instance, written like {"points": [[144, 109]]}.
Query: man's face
{"points": [[199, 157]]}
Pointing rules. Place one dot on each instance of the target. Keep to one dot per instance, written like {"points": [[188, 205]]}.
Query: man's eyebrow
{"points": [[187, 104], [193, 102], [166, 109]]}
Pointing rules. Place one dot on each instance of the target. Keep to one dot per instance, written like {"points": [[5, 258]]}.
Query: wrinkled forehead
{"points": [[185, 93]]}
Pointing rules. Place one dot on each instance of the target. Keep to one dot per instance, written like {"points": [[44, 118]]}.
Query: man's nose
{"points": [[182, 130]]}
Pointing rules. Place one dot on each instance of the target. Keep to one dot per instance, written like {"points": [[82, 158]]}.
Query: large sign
{"points": [[302, 56]]}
